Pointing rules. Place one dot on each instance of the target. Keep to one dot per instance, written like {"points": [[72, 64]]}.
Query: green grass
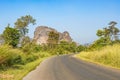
{"points": [[10, 56], [19, 72], [15, 64], [109, 55]]}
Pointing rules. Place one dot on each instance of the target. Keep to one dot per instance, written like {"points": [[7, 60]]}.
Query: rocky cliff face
{"points": [[41, 35]]}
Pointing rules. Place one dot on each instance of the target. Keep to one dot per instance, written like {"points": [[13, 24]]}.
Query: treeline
{"points": [[55, 46]]}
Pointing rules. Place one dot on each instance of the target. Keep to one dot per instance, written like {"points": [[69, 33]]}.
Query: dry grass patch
{"points": [[109, 55]]}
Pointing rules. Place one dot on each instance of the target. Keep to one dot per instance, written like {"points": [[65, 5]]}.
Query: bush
{"points": [[43, 54], [31, 57], [31, 48], [9, 56], [11, 36]]}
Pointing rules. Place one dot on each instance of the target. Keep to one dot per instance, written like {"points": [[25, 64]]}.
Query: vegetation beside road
{"points": [[19, 71], [15, 64], [105, 50], [109, 55]]}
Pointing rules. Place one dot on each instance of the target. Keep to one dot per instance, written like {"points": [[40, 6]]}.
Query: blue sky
{"points": [[81, 18]]}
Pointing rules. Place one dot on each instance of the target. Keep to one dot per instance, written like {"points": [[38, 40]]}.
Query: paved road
{"points": [[70, 68]]}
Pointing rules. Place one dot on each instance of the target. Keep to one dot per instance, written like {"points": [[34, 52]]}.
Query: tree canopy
{"points": [[22, 23], [11, 36], [53, 38], [110, 32]]}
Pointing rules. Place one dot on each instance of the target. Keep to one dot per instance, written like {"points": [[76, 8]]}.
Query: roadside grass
{"points": [[19, 71], [15, 64], [109, 56]]}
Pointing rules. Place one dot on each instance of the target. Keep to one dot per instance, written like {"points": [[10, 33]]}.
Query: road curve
{"points": [[70, 68]]}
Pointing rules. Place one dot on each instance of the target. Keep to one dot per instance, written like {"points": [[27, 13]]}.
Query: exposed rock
{"points": [[41, 35], [65, 37]]}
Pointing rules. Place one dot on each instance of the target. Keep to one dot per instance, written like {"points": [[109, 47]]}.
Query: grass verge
{"points": [[108, 56], [19, 71]]}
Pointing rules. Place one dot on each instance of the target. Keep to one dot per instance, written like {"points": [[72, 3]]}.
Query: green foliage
{"points": [[111, 32], [80, 48], [31, 48], [98, 44], [44, 47], [31, 57], [26, 40], [43, 54], [103, 33], [53, 38], [72, 47], [63, 48], [108, 36], [14, 73], [23, 22], [9, 56], [100, 33], [27, 48], [11, 36]]}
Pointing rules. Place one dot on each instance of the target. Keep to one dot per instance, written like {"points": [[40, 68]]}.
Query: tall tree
{"points": [[11, 36], [22, 23], [116, 31], [113, 30], [53, 38], [110, 32]]}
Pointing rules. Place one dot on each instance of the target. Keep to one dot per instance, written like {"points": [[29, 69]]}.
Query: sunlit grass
{"points": [[109, 55], [15, 64], [21, 71], [9, 55]]}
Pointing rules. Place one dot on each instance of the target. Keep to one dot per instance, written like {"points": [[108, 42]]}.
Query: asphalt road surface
{"points": [[70, 68]]}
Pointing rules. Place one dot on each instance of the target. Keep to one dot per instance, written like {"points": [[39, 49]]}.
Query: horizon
{"points": [[81, 18]]}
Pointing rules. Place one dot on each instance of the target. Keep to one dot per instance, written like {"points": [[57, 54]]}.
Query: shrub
{"points": [[9, 56], [31, 57]]}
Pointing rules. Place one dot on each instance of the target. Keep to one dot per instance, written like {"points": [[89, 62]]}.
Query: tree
{"points": [[11, 36], [22, 23], [53, 38], [110, 33], [116, 31], [80, 48], [100, 33], [69, 47], [72, 47], [106, 32], [113, 30], [112, 24]]}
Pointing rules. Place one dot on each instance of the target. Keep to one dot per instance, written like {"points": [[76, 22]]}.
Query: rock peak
{"points": [[41, 35]]}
